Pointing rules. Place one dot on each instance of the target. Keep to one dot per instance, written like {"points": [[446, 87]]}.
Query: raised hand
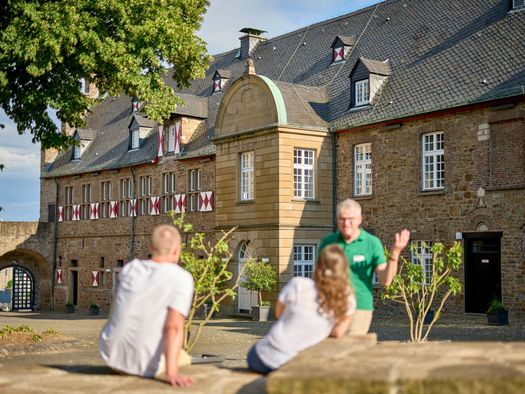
{"points": [[401, 241]]}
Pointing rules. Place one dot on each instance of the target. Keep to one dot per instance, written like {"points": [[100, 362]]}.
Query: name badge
{"points": [[359, 258]]}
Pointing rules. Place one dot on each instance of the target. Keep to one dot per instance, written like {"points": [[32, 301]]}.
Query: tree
{"points": [[418, 295], [47, 47], [259, 277]]}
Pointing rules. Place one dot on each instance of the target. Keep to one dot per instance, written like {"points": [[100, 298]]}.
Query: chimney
{"points": [[250, 40]]}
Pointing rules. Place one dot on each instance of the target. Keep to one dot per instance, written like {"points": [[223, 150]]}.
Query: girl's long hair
{"points": [[331, 281]]}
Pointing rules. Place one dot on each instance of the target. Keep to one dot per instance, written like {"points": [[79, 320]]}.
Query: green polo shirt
{"points": [[364, 254]]}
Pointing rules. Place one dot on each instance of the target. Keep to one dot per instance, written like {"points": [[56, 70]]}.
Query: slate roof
{"points": [[375, 66], [442, 54], [86, 134]]}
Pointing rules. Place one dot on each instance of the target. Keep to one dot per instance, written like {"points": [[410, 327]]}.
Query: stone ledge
{"points": [[356, 365]]}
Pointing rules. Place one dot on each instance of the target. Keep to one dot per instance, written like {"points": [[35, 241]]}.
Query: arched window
{"points": [[247, 251]]}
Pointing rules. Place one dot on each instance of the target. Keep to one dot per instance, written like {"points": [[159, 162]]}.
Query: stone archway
{"points": [[33, 273]]}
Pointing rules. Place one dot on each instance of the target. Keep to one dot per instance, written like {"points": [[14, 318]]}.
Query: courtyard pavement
{"points": [[77, 367]]}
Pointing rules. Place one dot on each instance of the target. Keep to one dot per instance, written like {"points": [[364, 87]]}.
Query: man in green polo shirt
{"points": [[365, 256]]}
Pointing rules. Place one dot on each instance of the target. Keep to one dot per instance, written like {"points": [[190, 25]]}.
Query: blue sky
{"points": [[19, 182]]}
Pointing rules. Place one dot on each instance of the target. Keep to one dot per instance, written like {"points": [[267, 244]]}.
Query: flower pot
{"points": [[70, 308], [499, 318], [260, 313], [94, 311]]}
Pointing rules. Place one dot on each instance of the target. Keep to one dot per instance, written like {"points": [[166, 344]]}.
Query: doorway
{"points": [[246, 298], [482, 270], [17, 290], [73, 294]]}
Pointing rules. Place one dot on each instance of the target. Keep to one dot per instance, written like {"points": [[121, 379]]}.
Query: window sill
{"points": [[304, 200], [432, 192], [246, 202], [359, 108], [363, 197]]}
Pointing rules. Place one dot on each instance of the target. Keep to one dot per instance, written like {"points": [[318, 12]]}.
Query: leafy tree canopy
{"points": [[47, 47]]}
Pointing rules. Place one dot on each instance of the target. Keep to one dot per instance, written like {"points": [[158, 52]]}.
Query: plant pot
{"points": [[499, 318], [94, 311], [260, 313], [70, 308]]}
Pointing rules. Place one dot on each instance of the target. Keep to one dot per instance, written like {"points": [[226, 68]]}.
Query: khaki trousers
{"points": [[361, 321]]}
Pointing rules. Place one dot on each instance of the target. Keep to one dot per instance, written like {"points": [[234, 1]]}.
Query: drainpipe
{"points": [[133, 218], [334, 179], [55, 241]]}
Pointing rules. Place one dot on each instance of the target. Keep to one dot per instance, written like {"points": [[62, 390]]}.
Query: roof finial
{"points": [[250, 68]]}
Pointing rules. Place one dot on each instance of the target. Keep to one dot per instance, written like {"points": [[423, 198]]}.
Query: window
{"points": [[133, 139], [421, 254], [145, 193], [86, 202], [194, 187], [169, 139], [68, 203], [517, 4], [361, 92], [433, 161], [247, 167], [217, 82], [338, 54], [76, 150], [126, 194], [363, 170], [168, 191], [304, 172], [303, 260], [105, 194]]}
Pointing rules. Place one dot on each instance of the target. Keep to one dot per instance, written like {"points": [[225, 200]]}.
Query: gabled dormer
{"points": [[518, 5], [341, 47], [83, 139], [220, 77], [366, 79], [140, 128]]}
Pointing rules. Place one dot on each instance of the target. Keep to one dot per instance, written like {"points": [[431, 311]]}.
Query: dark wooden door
{"points": [[74, 285], [482, 272]]}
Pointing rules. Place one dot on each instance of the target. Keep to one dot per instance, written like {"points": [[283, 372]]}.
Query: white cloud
{"points": [[18, 160]]}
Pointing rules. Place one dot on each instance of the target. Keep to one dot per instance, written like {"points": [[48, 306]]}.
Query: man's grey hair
{"points": [[348, 205]]}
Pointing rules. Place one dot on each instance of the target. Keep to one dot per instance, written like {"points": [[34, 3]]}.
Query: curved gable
{"points": [[253, 102]]}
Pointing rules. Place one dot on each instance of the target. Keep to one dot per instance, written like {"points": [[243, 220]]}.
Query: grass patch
{"points": [[25, 334]]}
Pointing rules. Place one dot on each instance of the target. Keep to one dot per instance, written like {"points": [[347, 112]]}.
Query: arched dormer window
{"points": [[341, 47], [219, 79]]}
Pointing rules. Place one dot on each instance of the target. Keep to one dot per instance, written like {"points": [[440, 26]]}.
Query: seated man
{"points": [[146, 324]]}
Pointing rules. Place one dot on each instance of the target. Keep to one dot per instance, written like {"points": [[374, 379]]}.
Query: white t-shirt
{"points": [[301, 325], [132, 340]]}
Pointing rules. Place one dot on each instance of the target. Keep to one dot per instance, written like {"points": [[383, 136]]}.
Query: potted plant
{"points": [[94, 309], [259, 277], [497, 314], [70, 308]]}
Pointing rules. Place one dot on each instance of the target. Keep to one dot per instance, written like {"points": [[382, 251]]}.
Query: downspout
{"points": [[134, 217], [334, 179], [55, 242]]}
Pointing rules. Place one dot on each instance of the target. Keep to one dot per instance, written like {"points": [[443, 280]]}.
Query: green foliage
{"points": [[408, 287], [208, 263], [36, 338], [69, 305], [8, 331], [496, 306], [47, 47], [52, 332], [9, 284], [94, 306], [259, 276]]}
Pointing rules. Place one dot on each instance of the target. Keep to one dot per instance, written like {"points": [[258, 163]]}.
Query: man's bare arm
{"points": [[174, 334], [387, 271]]}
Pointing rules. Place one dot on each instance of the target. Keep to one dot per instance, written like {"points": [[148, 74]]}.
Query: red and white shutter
{"points": [[60, 213], [206, 201], [154, 208], [217, 85], [133, 207], [171, 138], [160, 151], [179, 203], [95, 278], [94, 211], [338, 54], [178, 137], [76, 212], [113, 209], [59, 277]]}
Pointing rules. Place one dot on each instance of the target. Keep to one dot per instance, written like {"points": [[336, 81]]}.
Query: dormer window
{"points": [[518, 4], [140, 128], [219, 80], [362, 94], [83, 139], [134, 139], [76, 152], [366, 79], [341, 47]]}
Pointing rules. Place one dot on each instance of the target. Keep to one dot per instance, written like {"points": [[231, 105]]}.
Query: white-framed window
{"points": [[362, 94], [145, 194], [126, 194], [68, 203], [433, 161], [105, 194], [169, 139], [421, 254], [247, 173], [517, 4], [303, 260], [363, 169], [76, 151], [168, 191], [194, 188], [304, 173], [86, 201], [134, 139]]}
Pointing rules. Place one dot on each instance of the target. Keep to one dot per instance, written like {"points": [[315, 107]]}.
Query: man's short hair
{"points": [[164, 239], [348, 205]]}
